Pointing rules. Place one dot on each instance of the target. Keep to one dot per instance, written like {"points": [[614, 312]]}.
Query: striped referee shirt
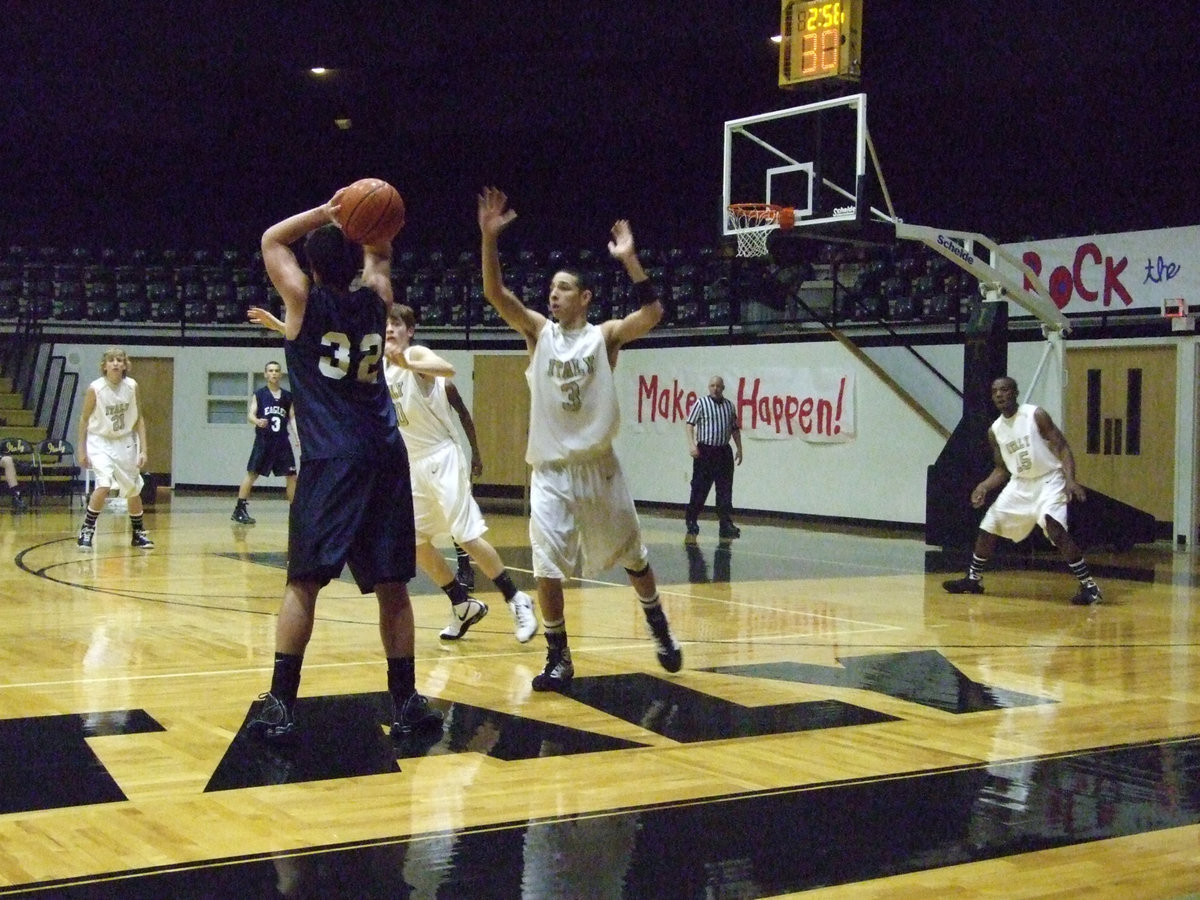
{"points": [[714, 421]]}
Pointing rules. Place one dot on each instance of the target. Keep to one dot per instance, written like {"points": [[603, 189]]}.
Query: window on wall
{"points": [[228, 395]]}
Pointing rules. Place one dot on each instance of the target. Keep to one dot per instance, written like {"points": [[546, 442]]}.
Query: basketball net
{"points": [[752, 223]]}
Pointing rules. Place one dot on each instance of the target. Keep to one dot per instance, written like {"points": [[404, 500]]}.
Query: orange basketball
{"points": [[370, 211]]}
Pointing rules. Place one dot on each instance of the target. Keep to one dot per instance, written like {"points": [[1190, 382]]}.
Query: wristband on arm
{"points": [[645, 292]]}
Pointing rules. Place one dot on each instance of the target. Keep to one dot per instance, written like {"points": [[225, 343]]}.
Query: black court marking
{"points": [[49, 765], [752, 845], [688, 716], [924, 677], [337, 737], [276, 560], [346, 735], [507, 737]]}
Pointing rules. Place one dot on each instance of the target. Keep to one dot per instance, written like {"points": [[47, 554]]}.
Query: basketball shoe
{"points": [[274, 721], [415, 715], [558, 672], [526, 623], [463, 616], [963, 586], [670, 657]]}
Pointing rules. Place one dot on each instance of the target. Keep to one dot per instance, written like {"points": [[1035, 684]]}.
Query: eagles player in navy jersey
{"points": [[270, 412], [351, 454]]}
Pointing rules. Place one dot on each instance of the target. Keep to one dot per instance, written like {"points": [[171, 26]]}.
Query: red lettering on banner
{"points": [[805, 417], [1065, 282], [671, 404], [1060, 286], [788, 413], [1112, 281], [743, 403], [679, 409], [1087, 251], [646, 391]]}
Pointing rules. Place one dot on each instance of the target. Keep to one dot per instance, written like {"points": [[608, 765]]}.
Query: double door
{"points": [[1120, 423]]}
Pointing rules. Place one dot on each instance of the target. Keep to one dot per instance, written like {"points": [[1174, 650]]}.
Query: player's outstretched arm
{"points": [[423, 361], [377, 269], [619, 332], [494, 217], [259, 316]]}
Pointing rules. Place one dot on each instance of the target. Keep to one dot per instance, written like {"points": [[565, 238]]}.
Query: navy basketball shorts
{"points": [[353, 512], [272, 458]]}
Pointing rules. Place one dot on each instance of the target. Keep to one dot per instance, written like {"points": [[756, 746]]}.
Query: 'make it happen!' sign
{"points": [[815, 405]]}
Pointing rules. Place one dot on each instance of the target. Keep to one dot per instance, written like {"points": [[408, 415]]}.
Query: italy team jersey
{"points": [[573, 412], [1026, 453], [116, 409], [422, 410]]}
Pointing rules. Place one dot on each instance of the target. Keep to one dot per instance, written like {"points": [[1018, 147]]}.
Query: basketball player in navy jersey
{"points": [[270, 412], [351, 454]]}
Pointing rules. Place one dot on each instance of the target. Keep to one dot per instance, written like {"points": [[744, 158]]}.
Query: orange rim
{"points": [[764, 213]]}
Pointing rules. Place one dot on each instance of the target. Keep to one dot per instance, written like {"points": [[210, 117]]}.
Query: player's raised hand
{"points": [[259, 316], [494, 214], [621, 246]]}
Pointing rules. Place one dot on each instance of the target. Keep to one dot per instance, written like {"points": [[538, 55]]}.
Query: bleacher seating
{"points": [[37, 291], [223, 299], [132, 302], [165, 305], [193, 297], [101, 298], [10, 291], [69, 300], [703, 287]]}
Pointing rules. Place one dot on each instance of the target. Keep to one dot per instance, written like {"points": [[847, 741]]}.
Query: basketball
{"points": [[370, 210]]}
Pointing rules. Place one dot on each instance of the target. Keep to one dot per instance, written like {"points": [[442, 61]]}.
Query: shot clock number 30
{"points": [[819, 40]]}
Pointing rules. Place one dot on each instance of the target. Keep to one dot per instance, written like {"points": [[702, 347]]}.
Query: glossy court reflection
{"points": [[839, 719]]}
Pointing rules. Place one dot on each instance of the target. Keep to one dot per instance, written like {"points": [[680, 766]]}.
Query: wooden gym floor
{"points": [[841, 727]]}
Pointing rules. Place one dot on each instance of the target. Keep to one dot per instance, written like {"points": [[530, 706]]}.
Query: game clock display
{"points": [[819, 40]]}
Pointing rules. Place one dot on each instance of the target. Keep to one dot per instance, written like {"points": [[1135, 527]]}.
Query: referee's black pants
{"points": [[713, 465]]}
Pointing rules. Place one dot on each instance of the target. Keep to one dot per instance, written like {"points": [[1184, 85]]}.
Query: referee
{"points": [[710, 425]]}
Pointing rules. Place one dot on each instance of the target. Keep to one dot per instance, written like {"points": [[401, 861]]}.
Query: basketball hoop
{"points": [[753, 222]]}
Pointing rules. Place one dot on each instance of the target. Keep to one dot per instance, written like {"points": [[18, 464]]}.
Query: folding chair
{"points": [[24, 458], [56, 468]]}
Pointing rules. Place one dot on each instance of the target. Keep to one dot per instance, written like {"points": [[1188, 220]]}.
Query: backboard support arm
{"points": [[959, 248]]}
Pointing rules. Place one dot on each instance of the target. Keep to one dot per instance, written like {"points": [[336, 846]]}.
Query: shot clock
{"points": [[819, 40]]}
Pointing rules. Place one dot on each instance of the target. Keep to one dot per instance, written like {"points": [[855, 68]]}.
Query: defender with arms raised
{"points": [[581, 511]]}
